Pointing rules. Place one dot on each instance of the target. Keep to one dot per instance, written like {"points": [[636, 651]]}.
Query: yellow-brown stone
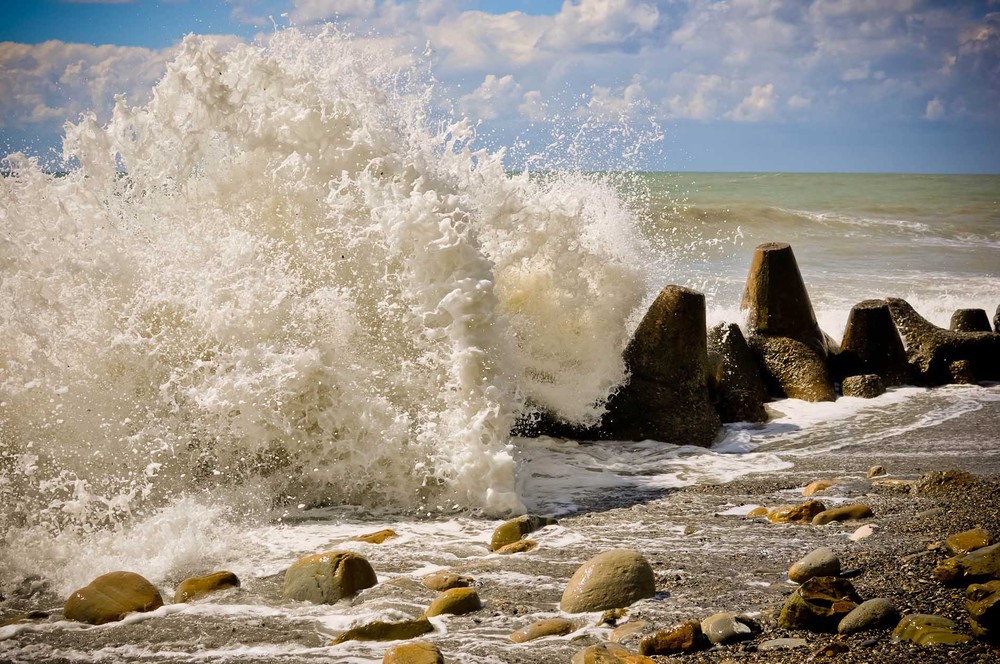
{"points": [[757, 512], [445, 580], [969, 540], [519, 546], [817, 486], [457, 601], [418, 652], [377, 537], [386, 631], [545, 627], [325, 578], [194, 587], [854, 512], [110, 597], [803, 513]]}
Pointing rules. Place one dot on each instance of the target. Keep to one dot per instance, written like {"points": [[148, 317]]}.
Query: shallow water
{"points": [[278, 307]]}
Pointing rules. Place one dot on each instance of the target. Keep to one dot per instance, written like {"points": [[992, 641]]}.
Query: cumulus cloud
{"points": [[613, 105], [55, 81], [934, 110], [494, 96], [314, 10], [756, 106]]}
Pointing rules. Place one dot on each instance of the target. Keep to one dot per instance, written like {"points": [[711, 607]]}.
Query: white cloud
{"points": [[935, 110], [533, 107], [701, 101], [757, 106], [799, 102], [607, 104], [599, 23], [55, 80], [494, 96], [315, 10]]}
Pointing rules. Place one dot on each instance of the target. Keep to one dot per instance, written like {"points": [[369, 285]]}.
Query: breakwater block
{"points": [[739, 385], [872, 345], [776, 300], [782, 328], [666, 397], [970, 320], [932, 351]]}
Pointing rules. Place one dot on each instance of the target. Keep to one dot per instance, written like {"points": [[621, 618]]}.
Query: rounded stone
{"points": [[456, 601], [379, 630], [818, 562], [512, 530], [325, 578], [967, 541], [545, 627], [418, 652], [685, 638], [110, 597], [724, 627], [925, 630], [865, 386], [198, 586], [445, 580], [802, 513], [876, 471], [378, 537], [854, 512], [817, 486], [868, 615], [609, 580], [520, 546]]}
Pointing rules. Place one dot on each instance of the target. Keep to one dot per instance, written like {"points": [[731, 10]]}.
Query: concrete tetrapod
{"points": [[666, 398]]}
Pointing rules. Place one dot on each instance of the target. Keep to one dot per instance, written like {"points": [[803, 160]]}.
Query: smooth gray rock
{"points": [[872, 613], [722, 628], [783, 644], [818, 562]]}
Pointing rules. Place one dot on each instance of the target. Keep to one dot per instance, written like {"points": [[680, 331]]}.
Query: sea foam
{"points": [[289, 276]]}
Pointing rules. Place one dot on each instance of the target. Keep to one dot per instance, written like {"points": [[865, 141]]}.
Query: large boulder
{"points": [[871, 345], [666, 397], [819, 604], [110, 597], [932, 350], [326, 578], [609, 580], [740, 388]]}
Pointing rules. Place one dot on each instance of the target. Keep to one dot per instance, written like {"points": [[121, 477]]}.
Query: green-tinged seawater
{"points": [[934, 239]]}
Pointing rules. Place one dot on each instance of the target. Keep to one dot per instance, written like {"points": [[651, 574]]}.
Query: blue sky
{"points": [[787, 85]]}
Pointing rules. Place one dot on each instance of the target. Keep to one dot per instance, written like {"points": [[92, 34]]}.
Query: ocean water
{"points": [[283, 304]]}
